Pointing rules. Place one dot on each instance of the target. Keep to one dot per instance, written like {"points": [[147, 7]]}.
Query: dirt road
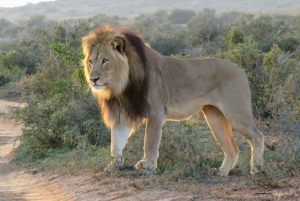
{"points": [[16, 184]]}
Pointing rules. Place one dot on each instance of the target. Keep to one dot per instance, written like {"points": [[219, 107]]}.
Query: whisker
{"points": [[111, 83]]}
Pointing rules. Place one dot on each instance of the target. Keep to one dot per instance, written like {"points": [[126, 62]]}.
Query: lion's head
{"points": [[116, 69]]}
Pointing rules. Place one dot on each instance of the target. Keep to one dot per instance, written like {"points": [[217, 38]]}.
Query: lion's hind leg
{"points": [[222, 131], [256, 140]]}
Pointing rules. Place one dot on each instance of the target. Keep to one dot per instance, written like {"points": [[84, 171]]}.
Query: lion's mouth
{"points": [[99, 87]]}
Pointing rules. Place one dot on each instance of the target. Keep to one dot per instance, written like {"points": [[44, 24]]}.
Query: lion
{"points": [[134, 83]]}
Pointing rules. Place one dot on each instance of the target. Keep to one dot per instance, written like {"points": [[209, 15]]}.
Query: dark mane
{"points": [[134, 98]]}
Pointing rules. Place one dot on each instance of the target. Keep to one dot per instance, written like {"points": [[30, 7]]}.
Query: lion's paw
{"points": [[254, 170], [257, 166], [110, 168], [115, 164], [145, 165], [222, 172]]}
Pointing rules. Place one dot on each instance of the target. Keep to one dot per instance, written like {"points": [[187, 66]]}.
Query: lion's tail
{"points": [[272, 146]]}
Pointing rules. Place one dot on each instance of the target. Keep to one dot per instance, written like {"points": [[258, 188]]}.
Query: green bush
{"points": [[181, 56], [289, 44], [180, 16], [235, 36], [4, 46], [67, 119], [4, 80], [165, 40]]}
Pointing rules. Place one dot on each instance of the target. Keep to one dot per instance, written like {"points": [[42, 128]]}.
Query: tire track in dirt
{"points": [[22, 186], [16, 185]]}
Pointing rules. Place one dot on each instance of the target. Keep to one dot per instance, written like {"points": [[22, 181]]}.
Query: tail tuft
{"points": [[272, 146]]}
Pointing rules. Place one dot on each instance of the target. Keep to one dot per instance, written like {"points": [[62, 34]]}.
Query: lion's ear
{"points": [[118, 44]]}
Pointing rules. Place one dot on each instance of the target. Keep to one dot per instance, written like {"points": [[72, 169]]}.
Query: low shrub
{"points": [[3, 80]]}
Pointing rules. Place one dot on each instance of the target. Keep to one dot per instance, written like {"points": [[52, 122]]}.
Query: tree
{"points": [[229, 18], [159, 16], [100, 19], [262, 29], [180, 16], [4, 23], [39, 21], [235, 36], [201, 30], [162, 37]]}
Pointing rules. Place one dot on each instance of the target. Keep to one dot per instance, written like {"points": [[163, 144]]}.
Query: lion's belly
{"points": [[182, 111]]}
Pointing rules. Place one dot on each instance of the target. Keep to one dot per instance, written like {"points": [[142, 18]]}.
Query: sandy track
{"points": [[16, 184]]}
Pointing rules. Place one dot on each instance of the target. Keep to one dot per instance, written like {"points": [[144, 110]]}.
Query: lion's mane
{"points": [[133, 100]]}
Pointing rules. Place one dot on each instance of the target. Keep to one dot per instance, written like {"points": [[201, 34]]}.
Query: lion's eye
{"points": [[90, 63], [104, 61]]}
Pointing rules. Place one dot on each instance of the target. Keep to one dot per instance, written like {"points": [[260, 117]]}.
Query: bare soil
{"points": [[19, 184]]}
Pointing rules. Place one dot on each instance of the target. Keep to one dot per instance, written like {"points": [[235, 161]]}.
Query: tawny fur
{"points": [[144, 85]]}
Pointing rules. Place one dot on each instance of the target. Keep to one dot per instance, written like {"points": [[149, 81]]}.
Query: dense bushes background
{"points": [[61, 114]]}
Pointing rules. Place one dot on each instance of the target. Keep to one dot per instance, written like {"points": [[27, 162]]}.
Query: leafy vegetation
{"points": [[179, 16], [62, 123]]}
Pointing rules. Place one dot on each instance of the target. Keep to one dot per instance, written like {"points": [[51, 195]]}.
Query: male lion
{"points": [[134, 83]]}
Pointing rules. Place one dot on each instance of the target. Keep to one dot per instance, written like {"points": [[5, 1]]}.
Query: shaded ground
{"points": [[20, 184]]}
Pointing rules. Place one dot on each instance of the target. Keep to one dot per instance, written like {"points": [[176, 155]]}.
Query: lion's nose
{"points": [[94, 79]]}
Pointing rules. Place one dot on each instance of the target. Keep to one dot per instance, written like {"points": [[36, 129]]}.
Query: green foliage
{"points": [[61, 49], [167, 43], [270, 61], [18, 57], [4, 46], [166, 40], [159, 16], [201, 30], [31, 156], [283, 73], [289, 44], [235, 36], [38, 21], [103, 19], [181, 56], [80, 77], [266, 180], [180, 16], [162, 169], [4, 23], [262, 29], [228, 18], [13, 73], [63, 121], [4, 80], [8, 30]]}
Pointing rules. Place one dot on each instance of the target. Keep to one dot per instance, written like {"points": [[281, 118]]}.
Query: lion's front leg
{"points": [[119, 136], [151, 144]]}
